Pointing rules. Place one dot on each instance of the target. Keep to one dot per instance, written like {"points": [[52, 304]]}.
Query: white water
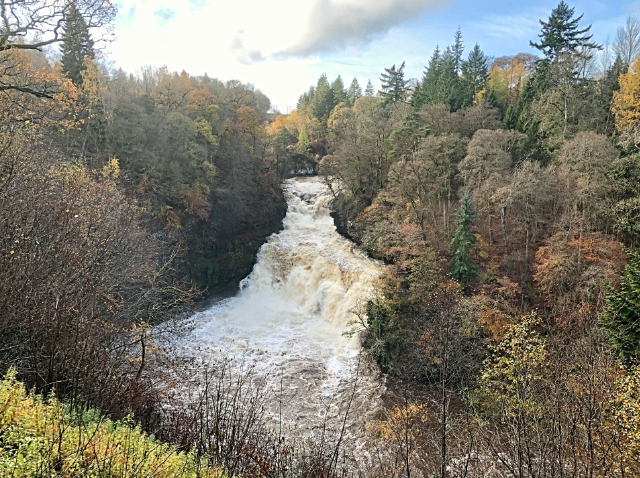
{"points": [[292, 310]]}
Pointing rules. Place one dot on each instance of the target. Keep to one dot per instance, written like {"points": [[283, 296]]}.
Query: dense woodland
{"points": [[502, 193]]}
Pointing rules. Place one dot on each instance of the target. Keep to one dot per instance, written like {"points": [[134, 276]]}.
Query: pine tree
{"points": [[304, 145], [621, 318], [458, 50], [475, 72], [76, 46], [369, 90], [561, 34], [339, 93], [322, 102], [394, 86], [462, 267], [426, 93], [354, 92], [448, 88]]}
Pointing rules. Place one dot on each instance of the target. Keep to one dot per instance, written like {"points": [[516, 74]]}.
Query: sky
{"points": [[283, 46]]}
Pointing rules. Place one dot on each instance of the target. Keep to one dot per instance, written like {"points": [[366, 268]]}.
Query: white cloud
{"points": [[336, 24]]}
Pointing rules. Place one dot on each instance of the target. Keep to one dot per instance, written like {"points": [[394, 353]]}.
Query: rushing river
{"points": [[289, 317]]}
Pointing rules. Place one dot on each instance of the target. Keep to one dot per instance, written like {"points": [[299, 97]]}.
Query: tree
{"points": [[462, 267], [354, 92], [77, 46], [322, 102], [626, 103], [458, 50], [369, 90], [621, 318], [627, 45], [560, 34], [339, 93], [474, 75], [394, 86], [32, 25], [304, 145]]}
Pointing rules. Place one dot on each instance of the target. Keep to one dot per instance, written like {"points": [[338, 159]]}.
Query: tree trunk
{"points": [[503, 216], [443, 438], [491, 239], [526, 245]]}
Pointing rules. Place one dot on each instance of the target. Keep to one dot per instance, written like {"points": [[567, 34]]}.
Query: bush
{"points": [[41, 437]]}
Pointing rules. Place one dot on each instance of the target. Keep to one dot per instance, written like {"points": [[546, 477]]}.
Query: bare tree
{"points": [[606, 55], [34, 24], [627, 44]]}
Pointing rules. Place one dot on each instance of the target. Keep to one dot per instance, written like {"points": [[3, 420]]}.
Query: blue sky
{"points": [[282, 46]]}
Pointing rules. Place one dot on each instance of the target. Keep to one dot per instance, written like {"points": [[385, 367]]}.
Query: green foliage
{"points": [[394, 86], [354, 92], [77, 45], [369, 90], [462, 267], [560, 33], [339, 92], [304, 145], [621, 318], [475, 72]]}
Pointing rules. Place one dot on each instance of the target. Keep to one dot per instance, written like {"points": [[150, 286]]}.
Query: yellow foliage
{"points": [[509, 75], [40, 438], [626, 411], [626, 102]]}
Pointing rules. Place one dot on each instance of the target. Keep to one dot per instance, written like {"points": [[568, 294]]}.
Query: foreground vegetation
{"points": [[40, 437]]}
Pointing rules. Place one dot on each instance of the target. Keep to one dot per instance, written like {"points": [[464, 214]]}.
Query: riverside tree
{"points": [[77, 46], [462, 267], [621, 318]]}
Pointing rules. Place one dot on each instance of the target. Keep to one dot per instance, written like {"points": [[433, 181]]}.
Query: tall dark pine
{"points": [[339, 93], [394, 86], [621, 318], [425, 93], [369, 91], [354, 92], [458, 50], [475, 72], [77, 45], [561, 34], [462, 267]]}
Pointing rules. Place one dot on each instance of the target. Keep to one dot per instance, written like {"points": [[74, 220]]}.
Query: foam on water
{"points": [[290, 314]]}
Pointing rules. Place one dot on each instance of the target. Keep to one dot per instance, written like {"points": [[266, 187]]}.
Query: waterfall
{"points": [[292, 310]]}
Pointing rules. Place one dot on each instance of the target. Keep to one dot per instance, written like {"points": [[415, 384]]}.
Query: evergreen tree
{"points": [[303, 101], [462, 267], [561, 34], [339, 93], [475, 72], [458, 50], [369, 90], [322, 102], [426, 93], [621, 318], [394, 86], [304, 145], [76, 46], [354, 92], [448, 88]]}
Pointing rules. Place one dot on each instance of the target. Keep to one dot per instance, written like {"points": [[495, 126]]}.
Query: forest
{"points": [[502, 195]]}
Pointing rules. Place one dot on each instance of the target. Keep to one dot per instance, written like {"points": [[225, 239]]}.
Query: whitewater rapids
{"points": [[289, 317]]}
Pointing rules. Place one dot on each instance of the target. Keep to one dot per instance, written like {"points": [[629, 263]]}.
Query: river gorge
{"points": [[288, 321]]}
